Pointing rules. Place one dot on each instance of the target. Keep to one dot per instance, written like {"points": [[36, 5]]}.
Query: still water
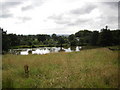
{"points": [[44, 50]]}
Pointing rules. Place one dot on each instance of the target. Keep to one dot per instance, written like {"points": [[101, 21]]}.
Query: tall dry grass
{"points": [[95, 68]]}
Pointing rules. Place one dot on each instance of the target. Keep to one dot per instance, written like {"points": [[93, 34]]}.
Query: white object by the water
{"points": [[42, 51], [37, 51], [56, 49], [46, 51], [24, 53], [80, 47], [68, 50], [77, 48]]}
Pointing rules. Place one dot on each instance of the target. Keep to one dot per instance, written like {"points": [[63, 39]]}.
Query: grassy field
{"points": [[94, 68]]}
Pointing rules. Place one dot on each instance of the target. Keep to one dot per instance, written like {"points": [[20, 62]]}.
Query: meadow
{"points": [[93, 68]]}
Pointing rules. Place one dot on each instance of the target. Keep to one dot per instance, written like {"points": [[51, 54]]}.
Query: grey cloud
{"points": [[82, 20], [5, 6], [71, 24], [34, 3], [27, 7], [107, 16], [8, 5], [109, 19], [86, 9], [56, 17], [23, 19], [111, 4], [7, 15], [119, 15], [110, 15], [60, 19], [78, 22], [112, 19]]}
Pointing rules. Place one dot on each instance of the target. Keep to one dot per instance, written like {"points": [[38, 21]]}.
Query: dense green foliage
{"points": [[105, 37]]}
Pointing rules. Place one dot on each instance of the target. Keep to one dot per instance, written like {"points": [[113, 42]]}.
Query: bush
{"points": [[30, 52]]}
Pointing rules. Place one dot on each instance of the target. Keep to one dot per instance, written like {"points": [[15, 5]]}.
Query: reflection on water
{"points": [[38, 51], [45, 50]]}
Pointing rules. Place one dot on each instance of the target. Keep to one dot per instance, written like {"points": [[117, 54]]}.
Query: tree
{"points": [[94, 38], [72, 39], [13, 40], [61, 41], [105, 38], [54, 37], [84, 37], [116, 37], [42, 37], [5, 43]]}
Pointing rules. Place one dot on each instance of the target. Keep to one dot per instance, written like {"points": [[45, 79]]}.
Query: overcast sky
{"points": [[57, 16]]}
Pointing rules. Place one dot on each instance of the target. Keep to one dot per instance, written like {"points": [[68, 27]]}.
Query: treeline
{"points": [[105, 37]]}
